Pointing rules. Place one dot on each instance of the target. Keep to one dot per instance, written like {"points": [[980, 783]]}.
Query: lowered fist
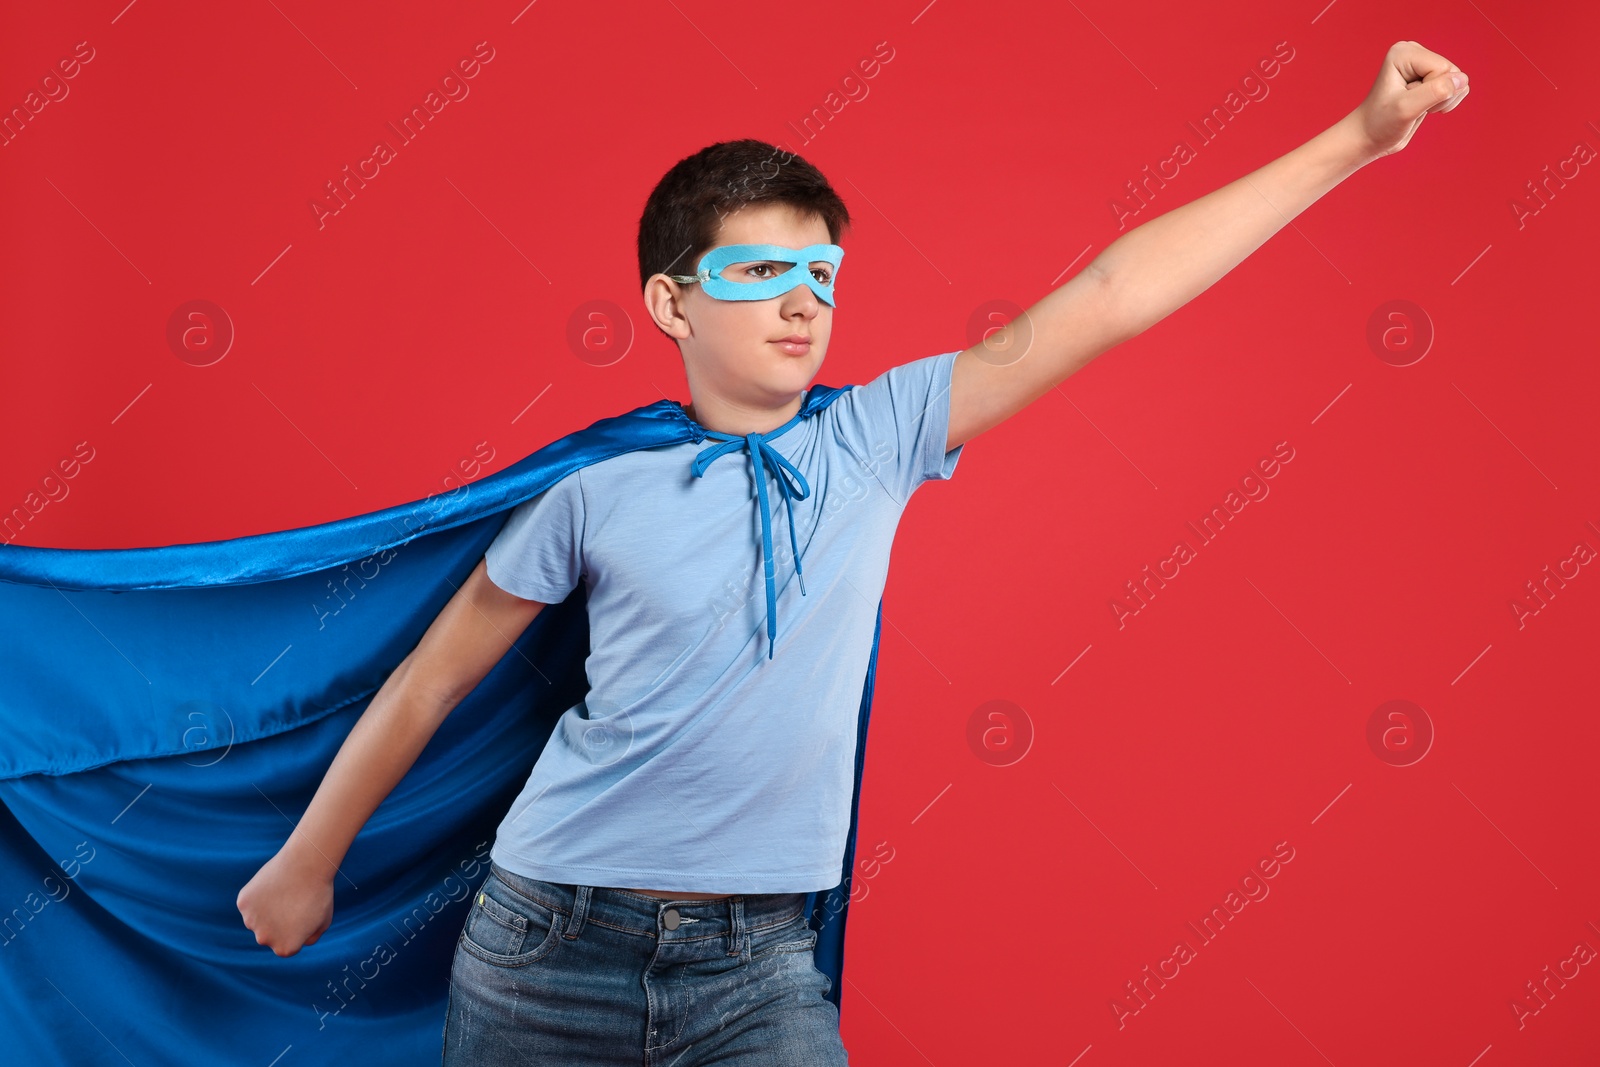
{"points": [[287, 906]]}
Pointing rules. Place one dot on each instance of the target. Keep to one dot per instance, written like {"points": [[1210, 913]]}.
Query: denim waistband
{"points": [[638, 913]]}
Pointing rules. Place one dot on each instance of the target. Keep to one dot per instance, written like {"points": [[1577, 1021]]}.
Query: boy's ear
{"points": [[664, 302]]}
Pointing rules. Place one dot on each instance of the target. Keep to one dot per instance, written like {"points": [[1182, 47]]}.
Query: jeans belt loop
{"points": [[736, 926], [580, 912]]}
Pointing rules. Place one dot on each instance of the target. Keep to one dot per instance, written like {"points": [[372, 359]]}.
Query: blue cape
{"points": [[169, 712]]}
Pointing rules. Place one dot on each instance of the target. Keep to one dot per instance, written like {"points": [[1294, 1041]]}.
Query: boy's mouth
{"points": [[795, 344]]}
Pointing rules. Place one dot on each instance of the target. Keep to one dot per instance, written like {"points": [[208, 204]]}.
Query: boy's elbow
{"points": [[430, 692]]}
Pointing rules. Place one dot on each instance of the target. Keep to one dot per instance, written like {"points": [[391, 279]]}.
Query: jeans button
{"points": [[669, 918]]}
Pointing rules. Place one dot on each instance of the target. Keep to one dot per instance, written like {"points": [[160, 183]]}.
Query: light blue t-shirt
{"points": [[697, 763]]}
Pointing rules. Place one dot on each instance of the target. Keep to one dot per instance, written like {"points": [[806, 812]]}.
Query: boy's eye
{"points": [[774, 270]]}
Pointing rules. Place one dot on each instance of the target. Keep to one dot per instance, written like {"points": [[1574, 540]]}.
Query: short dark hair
{"points": [[683, 213]]}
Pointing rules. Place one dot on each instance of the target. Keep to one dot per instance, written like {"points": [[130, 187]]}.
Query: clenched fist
{"points": [[287, 904], [1412, 84]]}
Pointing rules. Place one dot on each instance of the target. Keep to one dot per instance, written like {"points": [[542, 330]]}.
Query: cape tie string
{"points": [[763, 457]]}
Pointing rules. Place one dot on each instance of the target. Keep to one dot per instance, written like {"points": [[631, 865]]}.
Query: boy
{"points": [[645, 900]]}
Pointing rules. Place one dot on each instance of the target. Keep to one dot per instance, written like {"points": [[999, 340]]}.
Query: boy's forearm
{"points": [[1163, 264], [382, 746]]}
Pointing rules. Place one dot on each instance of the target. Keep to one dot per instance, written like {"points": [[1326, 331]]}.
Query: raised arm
{"points": [[1154, 269], [289, 901]]}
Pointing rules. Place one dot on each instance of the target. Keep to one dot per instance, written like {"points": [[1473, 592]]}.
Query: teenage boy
{"points": [[645, 900]]}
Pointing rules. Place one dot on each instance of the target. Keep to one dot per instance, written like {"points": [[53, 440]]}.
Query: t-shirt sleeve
{"points": [[538, 553], [898, 424]]}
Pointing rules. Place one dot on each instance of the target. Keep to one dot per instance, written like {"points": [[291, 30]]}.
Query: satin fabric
{"points": [[167, 713]]}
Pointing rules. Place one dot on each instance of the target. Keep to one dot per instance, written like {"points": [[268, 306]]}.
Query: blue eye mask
{"points": [[797, 260]]}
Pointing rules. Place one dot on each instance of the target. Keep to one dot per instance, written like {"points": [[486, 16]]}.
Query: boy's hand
{"points": [[1412, 83], [288, 905]]}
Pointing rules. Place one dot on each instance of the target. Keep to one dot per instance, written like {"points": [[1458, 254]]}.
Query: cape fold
{"points": [[169, 712]]}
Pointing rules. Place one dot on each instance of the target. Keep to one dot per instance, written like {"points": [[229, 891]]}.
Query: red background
{"points": [[373, 352]]}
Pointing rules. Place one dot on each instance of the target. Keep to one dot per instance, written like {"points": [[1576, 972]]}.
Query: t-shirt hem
{"points": [[671, 881], [517, 585]]}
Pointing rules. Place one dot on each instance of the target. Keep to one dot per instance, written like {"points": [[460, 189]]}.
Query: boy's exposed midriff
{"points": [[679, 896]]}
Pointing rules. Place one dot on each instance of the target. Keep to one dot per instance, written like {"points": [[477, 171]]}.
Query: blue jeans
{"points": [[549, 973]]}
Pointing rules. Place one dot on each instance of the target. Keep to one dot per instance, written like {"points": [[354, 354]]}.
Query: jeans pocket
{"points": [[795, 935], [507, 929]]}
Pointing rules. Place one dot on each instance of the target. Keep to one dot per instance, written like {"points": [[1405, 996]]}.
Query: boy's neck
{"points": [[739, 421]]}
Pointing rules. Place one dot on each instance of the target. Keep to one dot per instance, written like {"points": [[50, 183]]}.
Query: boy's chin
{"points": [[799, 367], [798, 378]]}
